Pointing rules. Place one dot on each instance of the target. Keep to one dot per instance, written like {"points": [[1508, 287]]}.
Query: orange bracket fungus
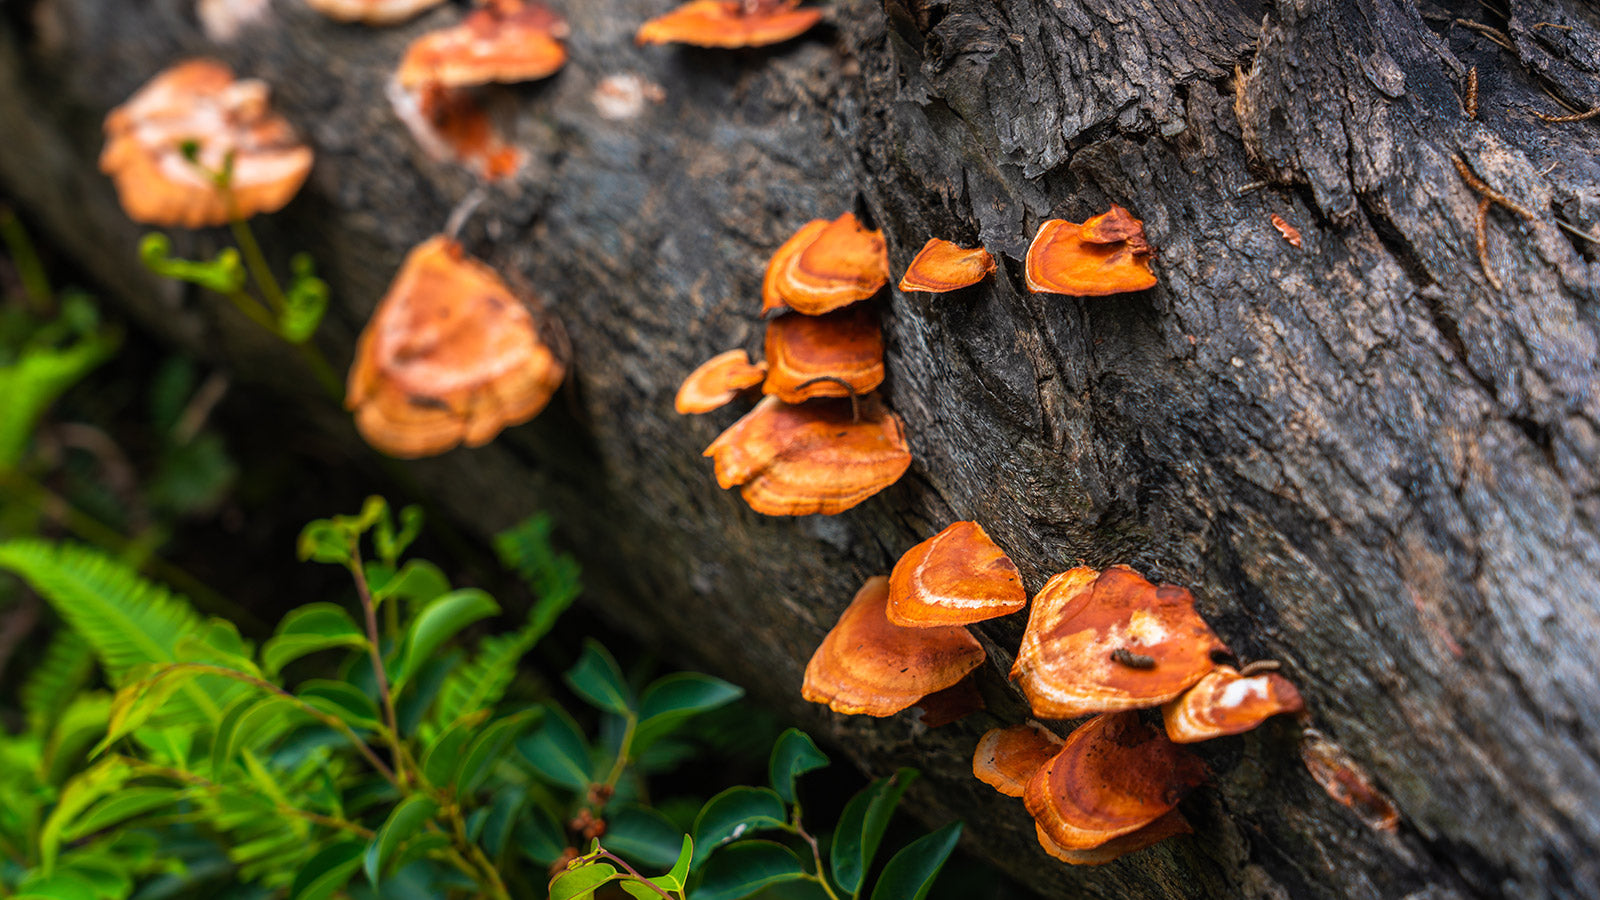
{"points": [[503, 41], [717, 381], [1068, 664], [839, 354], [817, 457], [1347, 782], [826, 266], [1105, 255], [942, 267], [869, 666], [730, 23], [1113, 777], [449, 357], [957, 577], [952, 704], [167, 146], [371, 12], [1006, 759], [451, 125], [1226, 702], [1170, 825]]}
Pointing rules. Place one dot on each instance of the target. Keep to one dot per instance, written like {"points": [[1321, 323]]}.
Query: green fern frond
{"points": [[525, 549], [59, 674], [483, 681]]}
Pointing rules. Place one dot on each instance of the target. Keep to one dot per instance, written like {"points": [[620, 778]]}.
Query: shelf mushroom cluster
{"points": [[1105, 644]]}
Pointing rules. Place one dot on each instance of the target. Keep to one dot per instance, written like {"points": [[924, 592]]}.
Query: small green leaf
{"points": [[675, 879], [324, 541], [581, 881], [671, 700], [438, 622], [504, 810], [343, 701], [406, 819], [306, 301], [488, 746], [124, 804], [746, 867], [224, 275], [418, 581], [596, 678], [909, 874], [642, 835], [442, 755], [557, 751], [793, 755], [308, 629], [861, 827], [734, 813], [540, 835], [639, 890], [327, 872]]}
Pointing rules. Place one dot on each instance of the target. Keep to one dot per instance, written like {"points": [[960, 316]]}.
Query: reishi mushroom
{"points": [[941, 267], [371, 12], [868, 666], [957, 577], [1006, 759], [838, 354], [450, 356], [826, 266], [1107, 641], [1085, 260], [1112, 777], [503, 41], [167, 145], [1225, 702], [730, 23], [717, 381], [815, 457]]}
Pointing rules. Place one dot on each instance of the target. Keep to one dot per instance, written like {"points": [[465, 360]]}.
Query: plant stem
{"points": [[816, 852], [634, 872], [246, 303], [621, 765], [497, 887], [35, 286], [256, 262], [369, 607], [213, 788]]}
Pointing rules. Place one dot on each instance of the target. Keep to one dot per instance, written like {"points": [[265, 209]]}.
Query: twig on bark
{"points": [[1472, 93], [1574, 117], [1482, 234], [1488, 31]]}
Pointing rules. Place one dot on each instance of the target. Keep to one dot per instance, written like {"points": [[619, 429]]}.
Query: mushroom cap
{"points": [[371, 12], [1081, 617], [1062, 261], [1113, 776], [198, 104], [956, 577], [1007, 758], [1113, 225], [451, 125], [727, 24], [839, 264], [832, 355], [506, 42], [1225, 702], [811, 458], [450, 356], [869, 666], [952, 704], [942, 266], [717, 381], [1170, 825]]}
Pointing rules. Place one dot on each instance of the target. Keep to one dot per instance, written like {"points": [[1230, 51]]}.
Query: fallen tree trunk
{"points": [[1367, 461]]}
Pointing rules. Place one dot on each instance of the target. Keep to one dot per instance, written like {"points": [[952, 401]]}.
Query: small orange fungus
{"points": [[1007, 758], [1114, 225], [956, 577], [505, 42], [838, 354], [1170, 825], [823, 268], [952, 704], [942, 266], [449, 357], [1108, 641], [717, 381], [869, 666], [1112, 777], [1225, 702], [371, 12], [730, 23], [1347, 782], [1289, 232], [1065, 259], [167, 146], [816, 457], [451, 125]]}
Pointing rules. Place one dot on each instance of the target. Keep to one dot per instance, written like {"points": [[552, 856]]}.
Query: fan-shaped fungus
{"points": [[1112, 777], [868, 666], [371, 12], [823, 268], [449, 357], [1114, 225], [952, 704], [1064, 260], [817, 457], [1082, 621], [504, 41], [834, 355], [1007, 758], [942, 266], [451, 125], [730, 23], [1225, 702], [956, 577], [1170, 825], [168, 144], [717, 381]]}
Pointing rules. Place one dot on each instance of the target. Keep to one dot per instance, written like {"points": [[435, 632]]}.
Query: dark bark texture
{"points": [[1366, 461]]}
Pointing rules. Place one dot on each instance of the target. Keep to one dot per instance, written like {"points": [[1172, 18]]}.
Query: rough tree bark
{"points": [[1366, 461]]}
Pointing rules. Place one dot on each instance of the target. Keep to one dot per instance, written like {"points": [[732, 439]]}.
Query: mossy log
{"points": [[1366, 460]]}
